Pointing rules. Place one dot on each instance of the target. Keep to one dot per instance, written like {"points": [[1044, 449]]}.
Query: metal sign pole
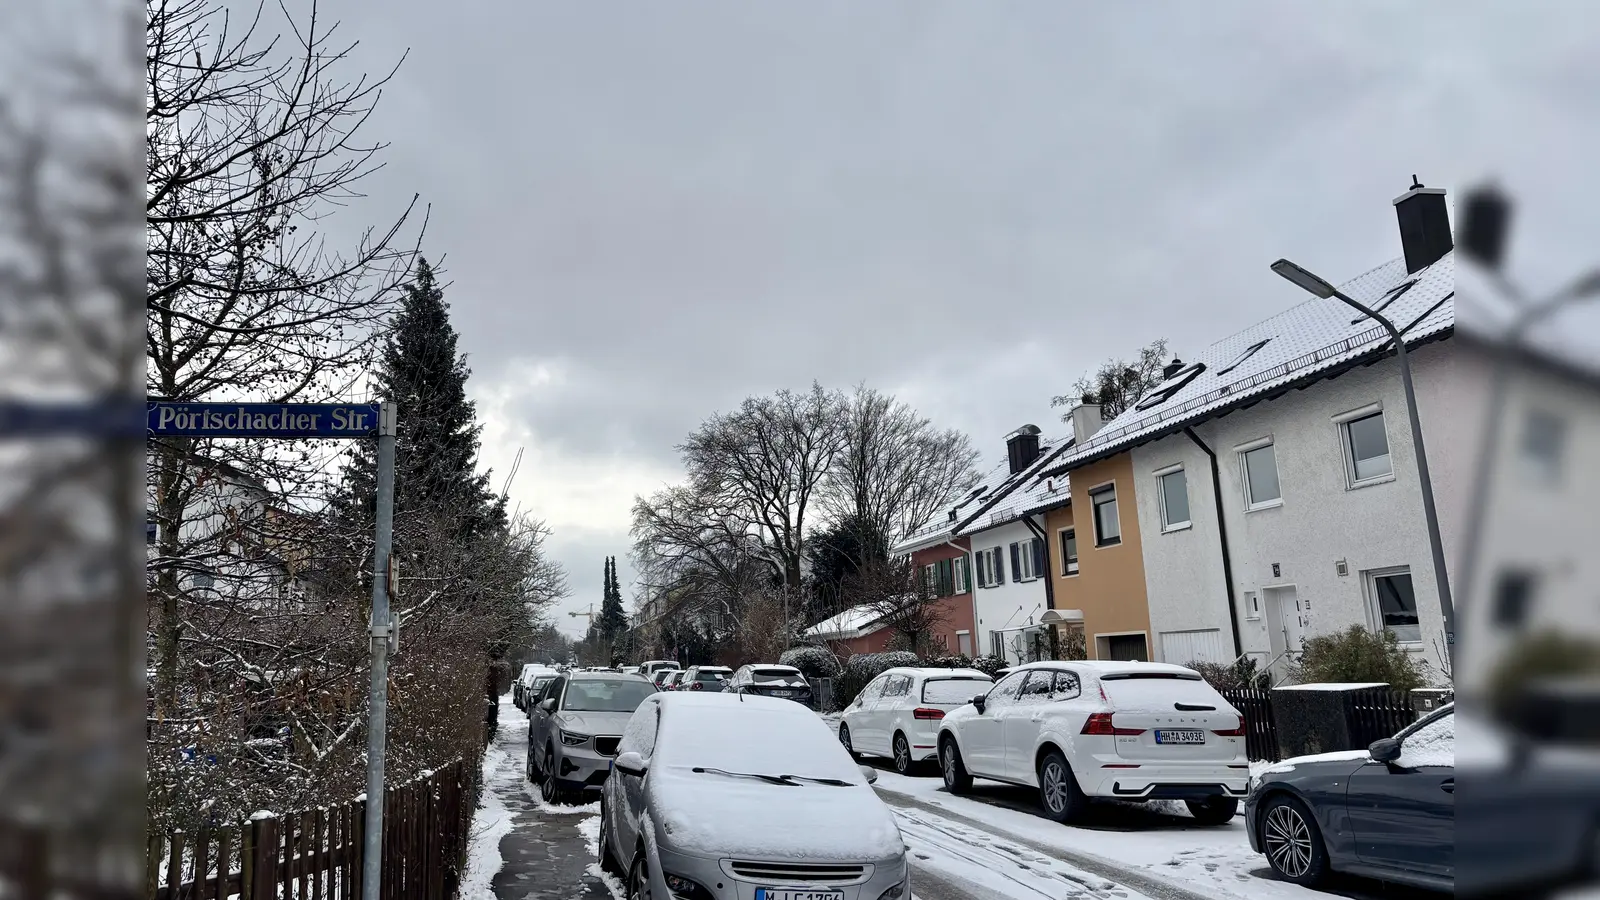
{"points": [[378, 700]]}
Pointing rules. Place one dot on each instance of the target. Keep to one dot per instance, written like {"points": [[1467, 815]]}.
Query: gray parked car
{"points": [[574, 727], [717, 796]]}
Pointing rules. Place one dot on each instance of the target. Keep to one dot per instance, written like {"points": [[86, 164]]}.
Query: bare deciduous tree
{"points": [[1118, 384], [896, 593], [251, 139], [895, 470]]}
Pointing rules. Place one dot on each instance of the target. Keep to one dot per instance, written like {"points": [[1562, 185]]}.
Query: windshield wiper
{"points": [[785, 780], [770, 779]]}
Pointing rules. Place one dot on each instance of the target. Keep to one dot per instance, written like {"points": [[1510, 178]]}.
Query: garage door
{"points": [[1183, 647]]}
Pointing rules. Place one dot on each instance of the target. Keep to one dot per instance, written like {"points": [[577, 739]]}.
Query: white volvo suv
{"points": [[1077, 730]]}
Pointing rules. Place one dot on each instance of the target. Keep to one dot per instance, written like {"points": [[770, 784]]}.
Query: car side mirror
{"points": [[1384, 750], [630, 763], [548, 705], [980, 701], [870, 774]]}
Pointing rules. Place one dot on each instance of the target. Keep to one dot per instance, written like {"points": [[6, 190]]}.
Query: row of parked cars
{"points": [[1083, 731], [690, 782]]}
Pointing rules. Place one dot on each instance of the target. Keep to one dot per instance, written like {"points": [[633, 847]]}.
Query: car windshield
{"points": [[540, 681], [753, 741], [606, 694], [774, 676], [953, 690]]}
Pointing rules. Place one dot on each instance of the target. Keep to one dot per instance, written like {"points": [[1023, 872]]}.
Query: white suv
{"points": [[1119, 730], [897, 714]]}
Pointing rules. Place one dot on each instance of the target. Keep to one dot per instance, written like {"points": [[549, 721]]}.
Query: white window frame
{"points": [[1347, 450], [958, 575], [1069, 567], [1025, 559], [1546, 473], [1109, 487], [1252, 606], [1244, 473], [1161, 498], [1369, 586], [986, 571], [930, 579]]}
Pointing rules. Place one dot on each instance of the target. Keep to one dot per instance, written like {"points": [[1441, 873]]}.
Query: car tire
{"points": [[1059, 794], [1213, 810], [902, 754], [1292, 841], [844, 738], [638, 886], [957, 780], [531, 769], [549, 789], [608, 860]]}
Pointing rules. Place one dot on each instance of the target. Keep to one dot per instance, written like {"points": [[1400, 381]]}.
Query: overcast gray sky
{"points": [[651, 210]]}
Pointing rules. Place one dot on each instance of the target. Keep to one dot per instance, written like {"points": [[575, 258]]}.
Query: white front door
{"points": [[1287, 620]]}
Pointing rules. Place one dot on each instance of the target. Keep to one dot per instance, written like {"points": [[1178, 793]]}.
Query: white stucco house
{"points": [[1277, 489], [1010, 554]]}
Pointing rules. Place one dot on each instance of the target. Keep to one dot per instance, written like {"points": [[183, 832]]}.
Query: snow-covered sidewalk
{"points": [[522, 848]]}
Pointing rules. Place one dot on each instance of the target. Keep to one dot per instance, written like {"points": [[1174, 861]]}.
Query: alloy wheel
{"points": [[1055, 786], [902, 755], [844, 738], [948, 756], [1288, 841], [547, 788]]}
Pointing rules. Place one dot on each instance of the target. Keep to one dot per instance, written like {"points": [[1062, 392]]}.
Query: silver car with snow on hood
{"points": [[574, 727], [718, 796]]}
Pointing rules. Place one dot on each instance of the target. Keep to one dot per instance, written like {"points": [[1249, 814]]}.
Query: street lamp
{"points": [[1308, 281]]}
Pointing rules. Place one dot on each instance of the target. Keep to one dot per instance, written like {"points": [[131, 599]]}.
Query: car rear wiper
{"points": [[770, 779], [1193, 707]]}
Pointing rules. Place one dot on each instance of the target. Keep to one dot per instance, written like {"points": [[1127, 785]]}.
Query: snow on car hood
{"points": [[604, 723], [710, 815], [1289, 765]]}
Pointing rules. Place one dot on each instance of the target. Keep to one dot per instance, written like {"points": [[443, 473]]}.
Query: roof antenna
{"points": [[1414, 182]]}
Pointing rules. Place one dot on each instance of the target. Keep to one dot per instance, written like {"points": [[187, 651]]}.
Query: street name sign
{"points": [[262, 420]]}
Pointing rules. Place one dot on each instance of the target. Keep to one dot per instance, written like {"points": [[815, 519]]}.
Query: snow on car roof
{"points": [[936, 672], [1109, 666]]}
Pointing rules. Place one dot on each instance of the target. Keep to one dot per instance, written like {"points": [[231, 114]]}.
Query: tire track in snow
{"points": [[994, 863]]}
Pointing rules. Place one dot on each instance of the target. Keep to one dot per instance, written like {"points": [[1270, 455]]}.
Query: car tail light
{"points": [[1233, 732], [923, 712], [1100, 723], [695, 686]]}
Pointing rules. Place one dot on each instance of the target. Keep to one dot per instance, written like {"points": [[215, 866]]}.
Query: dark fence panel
{"points": [[317, 854], [1260, 729], [1376, 713]]}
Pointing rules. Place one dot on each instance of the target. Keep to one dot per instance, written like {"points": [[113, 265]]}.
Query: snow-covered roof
{"points": [[852, 623], [1031, 492], [1304, 343], [995, 488]]}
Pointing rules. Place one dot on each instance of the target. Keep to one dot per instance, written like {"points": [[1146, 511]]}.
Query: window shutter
{"points": [[1039, 567], [997, 566], [1016, 563], [947, 578]]}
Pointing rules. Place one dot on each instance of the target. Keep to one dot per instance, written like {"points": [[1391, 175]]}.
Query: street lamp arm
{"points": [[1369, 313]]}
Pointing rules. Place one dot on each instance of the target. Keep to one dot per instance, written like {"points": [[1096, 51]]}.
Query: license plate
{"points": [[1169, 736], [793, 894]]}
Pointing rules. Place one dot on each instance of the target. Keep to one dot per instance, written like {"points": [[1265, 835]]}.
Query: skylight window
{"points": [[1163, 392], [1245, 354]]}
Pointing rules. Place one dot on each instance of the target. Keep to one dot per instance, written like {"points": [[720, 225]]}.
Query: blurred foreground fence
{"points": [[1368, 714], [316, 855]]}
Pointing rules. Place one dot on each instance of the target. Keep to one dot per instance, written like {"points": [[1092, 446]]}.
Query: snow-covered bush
{"points": [[863, 667], [813, 662], [988, 665]]}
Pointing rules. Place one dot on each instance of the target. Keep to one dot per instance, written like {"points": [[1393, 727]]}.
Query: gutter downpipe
{"points": [[1048, 576], [1222, 536]]}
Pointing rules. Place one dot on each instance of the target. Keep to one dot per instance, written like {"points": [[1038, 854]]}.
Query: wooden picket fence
{"points": [[1375, 713], [317, 854]]}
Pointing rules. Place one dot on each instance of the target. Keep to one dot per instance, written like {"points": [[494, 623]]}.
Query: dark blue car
{"points": [[1387, 812]]}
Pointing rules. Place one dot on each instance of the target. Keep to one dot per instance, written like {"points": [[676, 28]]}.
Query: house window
{"points": [[1174, 497], [1513, 595], [1027, 560], [1366, 449], [991, 567], [1394, 603], [1543, 440], [960, 575], [930, 580], [203, 580], [997, 645], [964, 643], [1252, 605], [1244, 354], [1069, 551], [1260, 476], [1107, 527]]}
